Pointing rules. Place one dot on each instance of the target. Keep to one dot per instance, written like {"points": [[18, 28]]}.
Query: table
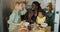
{"points": [[48, 29]]}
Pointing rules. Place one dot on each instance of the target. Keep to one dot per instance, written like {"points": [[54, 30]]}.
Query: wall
{"points": [[13, 2], [5, 13], [1, 20], [43, 3]]}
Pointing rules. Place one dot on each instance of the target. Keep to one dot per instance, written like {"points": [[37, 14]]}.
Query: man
{"points": [[50, 16]]}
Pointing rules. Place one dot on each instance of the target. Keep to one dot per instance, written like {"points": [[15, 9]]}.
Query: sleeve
{"points": [[23, 12], [36, 19], [11, 18]]}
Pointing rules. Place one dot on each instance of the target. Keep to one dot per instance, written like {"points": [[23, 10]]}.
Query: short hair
{"points": [[42, 11]]}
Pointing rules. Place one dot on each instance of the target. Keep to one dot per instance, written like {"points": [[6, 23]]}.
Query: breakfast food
{"points": [[23, 30], [42, 30], [37, 28], [22, 26]]}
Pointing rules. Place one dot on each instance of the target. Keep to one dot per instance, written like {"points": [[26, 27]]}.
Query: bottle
{"points": [[29, 27]]}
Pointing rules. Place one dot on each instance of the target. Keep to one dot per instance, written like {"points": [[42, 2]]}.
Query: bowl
{"points": [[44, 24], [26, 23]]}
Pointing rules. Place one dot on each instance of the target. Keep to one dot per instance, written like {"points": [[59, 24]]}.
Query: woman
{"points": [[50, 14], [36, 7], [15, 17], [30, 17]]}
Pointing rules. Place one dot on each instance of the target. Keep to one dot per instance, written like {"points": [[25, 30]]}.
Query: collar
{"points": [[51, 11]]}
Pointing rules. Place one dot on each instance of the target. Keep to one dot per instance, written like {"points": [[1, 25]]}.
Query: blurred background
{"points": [[8, 6]]}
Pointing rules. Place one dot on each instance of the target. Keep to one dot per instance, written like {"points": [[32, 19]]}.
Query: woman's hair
{"points": [[37, 4], [17, 4], [43, 12]]}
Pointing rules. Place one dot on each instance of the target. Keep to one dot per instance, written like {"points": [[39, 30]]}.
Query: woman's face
{"points": [[21, 6], [34, 7]]}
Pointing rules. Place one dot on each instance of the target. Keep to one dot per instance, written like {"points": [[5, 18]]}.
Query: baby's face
{"points": [[40, 14]]}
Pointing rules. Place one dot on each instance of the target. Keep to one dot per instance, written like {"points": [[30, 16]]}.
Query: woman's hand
{"points": [[15, 24], [22, 22]]}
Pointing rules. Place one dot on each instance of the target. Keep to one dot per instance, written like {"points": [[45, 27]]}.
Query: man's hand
{"points": [[7, 18]]}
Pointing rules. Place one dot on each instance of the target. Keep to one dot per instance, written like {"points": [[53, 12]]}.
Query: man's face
{"points": [[30, 14], [49, 8]]}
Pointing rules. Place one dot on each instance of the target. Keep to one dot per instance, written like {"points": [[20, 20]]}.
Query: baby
{"points": [[41, 18]]}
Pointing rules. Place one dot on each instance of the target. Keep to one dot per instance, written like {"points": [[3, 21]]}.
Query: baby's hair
{"points": [[42, 11]]}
